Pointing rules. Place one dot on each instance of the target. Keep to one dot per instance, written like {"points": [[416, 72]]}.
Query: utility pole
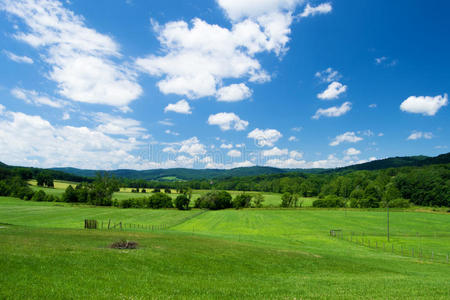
{"points": [[387, 209]]}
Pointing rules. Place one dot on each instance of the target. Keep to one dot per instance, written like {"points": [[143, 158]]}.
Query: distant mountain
{"points": [[197, 174], [394, 162], [178, 173]]}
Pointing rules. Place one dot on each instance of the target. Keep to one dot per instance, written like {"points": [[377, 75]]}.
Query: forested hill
{"points": [[394, 162], [196, 174]]}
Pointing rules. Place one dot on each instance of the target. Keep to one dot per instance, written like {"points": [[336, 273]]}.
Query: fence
{"points": [[108, 225], [399, 249]]}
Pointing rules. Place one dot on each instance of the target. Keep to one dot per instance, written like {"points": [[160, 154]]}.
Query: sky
{"points": [[134, 84]]}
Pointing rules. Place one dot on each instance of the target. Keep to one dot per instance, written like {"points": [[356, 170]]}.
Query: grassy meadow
{"points": [[270, 199], [250, 253]]}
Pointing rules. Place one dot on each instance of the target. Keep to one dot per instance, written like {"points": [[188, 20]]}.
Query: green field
{"points": [[250, 253], [270, 199]]}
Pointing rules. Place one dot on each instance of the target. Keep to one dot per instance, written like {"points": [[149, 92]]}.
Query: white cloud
{"points": [[168, 131], [334, 111], [266, 137], [226, 146], [420, 135], [379, 60], [373, 105], [33, 97], [81, 59], [333, 91], [328, 75], [234, 153], [227, 121], [233, 93], [31, 140], [275, 152], [297, 129], [17, 58], [166, 122], [292, 139], [309, 10], [386, 61], [169, 150], [295, 154], [380, 134], [352, 151], [330, 162], [240, 145], [192, 146], [116, 125], [181, 107], [349, 137], [66, 116], [199, 56], [425, 105], [218, 165]]}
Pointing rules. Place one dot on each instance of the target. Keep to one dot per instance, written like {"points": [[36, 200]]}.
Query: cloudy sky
{"points": [[222, 83]]}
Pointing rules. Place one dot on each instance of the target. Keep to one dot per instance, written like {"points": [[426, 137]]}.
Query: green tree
{"points": [[182, 202]]}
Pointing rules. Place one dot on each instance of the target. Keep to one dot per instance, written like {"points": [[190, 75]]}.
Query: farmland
{"points": [[256, 253]]}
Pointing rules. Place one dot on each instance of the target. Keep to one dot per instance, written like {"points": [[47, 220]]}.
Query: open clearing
{"points": [[252, 253]]}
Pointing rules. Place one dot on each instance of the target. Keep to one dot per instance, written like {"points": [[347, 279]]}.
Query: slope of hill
{"points": [[194, 174]]}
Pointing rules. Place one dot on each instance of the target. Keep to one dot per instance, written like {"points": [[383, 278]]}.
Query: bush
{"points": [[258, 200], [156, 191], [167, 191], [330, 201], [39, 196], [214, 200], [182, 202], [242, 201], [70, 195], [160, 200]]}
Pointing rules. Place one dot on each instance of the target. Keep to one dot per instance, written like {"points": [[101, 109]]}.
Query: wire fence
{"points": [[110, 225], [371, 241]]}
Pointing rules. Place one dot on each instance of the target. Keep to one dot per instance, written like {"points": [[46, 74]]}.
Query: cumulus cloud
{"points": [[81, 59], [199, 56], [349, 137], [226, 146], [192, 146], [234, 153], [227, 121], [420, 135], [334, 111], [425, 105], [30, 140], [116, 125], [333, 91], [181, 107], [309, 10], [18, 58], [328, 75], [275, 152], [292, 139], [295, 154], [265, 137], [233, 93], [35, 98], [352, 151]]}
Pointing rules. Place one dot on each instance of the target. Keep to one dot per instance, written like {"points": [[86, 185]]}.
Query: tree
{"points": [[182, 202], [39, 196], [242, 201], [160, 200], [70, 195], [258, 200], [214, 200]]}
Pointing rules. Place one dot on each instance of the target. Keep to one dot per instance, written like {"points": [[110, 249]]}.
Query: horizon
{"points": [[221, 84]]}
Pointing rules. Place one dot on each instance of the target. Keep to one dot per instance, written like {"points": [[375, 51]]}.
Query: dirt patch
{"points": [[123, 244]]}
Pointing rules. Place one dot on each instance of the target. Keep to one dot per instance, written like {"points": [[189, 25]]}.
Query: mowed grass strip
{"points": [[39, 263]]}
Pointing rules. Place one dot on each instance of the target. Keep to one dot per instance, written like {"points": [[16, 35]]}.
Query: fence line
{"points": [[122, 226], [414, 252]]}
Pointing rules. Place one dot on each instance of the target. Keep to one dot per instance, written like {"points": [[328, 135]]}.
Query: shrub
{"points": [[214, 200], [398, 203], [330, 201], [242, 201], [167, 191], [38, 196], [258, 200], [160, 200], [156, 191], [182, 202], [70, 195]]}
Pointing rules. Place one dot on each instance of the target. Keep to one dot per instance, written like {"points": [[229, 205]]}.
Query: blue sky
{"points": [[222, 83]]}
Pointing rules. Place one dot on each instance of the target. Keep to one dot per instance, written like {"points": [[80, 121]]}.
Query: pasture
{"points": [[270, 199], [250, 253]]}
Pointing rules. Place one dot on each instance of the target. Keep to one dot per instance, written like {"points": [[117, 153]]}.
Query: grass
{"points": [[251, 253], [270, 199]]}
